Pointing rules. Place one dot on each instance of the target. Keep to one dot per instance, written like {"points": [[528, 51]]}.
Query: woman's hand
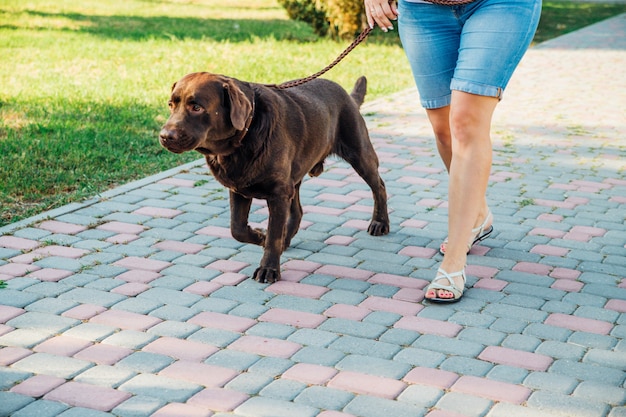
{"points": [[381, 13]]}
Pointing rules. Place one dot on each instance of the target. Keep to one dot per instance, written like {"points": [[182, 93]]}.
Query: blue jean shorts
{"points": [[472, 48]]}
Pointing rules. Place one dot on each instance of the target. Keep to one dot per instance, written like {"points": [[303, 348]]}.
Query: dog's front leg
{"points": [[239, 228], [269, 268]]}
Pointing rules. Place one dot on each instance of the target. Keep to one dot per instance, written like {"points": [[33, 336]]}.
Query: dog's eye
{"points": [[170, 104], [196, 108]]}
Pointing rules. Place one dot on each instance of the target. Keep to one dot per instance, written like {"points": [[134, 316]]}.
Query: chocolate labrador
{"points": [[261, 141]]}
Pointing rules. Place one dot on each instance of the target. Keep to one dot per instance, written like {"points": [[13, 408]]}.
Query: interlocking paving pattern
{"points": [[138, 302]]}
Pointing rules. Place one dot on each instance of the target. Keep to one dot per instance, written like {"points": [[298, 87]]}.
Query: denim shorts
{"points": [[472, 48]]}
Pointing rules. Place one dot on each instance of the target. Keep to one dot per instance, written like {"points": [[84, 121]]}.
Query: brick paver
{"points": [[149, 311]]}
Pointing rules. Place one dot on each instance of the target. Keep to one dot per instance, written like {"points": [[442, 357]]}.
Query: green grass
{"points": [[85, 84]]}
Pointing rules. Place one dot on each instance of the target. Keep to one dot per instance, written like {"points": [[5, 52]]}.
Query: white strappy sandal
{"points": [[479, 234], [452, 287]]}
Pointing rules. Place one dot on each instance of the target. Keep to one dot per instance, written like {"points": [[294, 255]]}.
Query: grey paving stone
{"points": [[283, 389], [40, 408], [588, 372], [592, 340], [313, 337], [130, 339], [324, 398], [269, 407], [14, 298], [44, 322], [567, 405], [137, 305], [367, 406], [138, 406], [595, 391], [420, 357], [156, 386], [249, 383], [509, 374], [10, 377], [239, 361], [352, 328], [11, 402], [464, 404], [306, 305], [466, 366], [106, 376], [271, 330], [91, 331], [318, 356], [448, 346], [373, 366], [47, 364]]}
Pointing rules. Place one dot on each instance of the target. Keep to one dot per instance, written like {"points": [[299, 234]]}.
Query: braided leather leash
{"points": [[349, 49]]}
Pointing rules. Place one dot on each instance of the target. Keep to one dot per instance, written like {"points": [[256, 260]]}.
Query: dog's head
{"points": [[209, 113]]}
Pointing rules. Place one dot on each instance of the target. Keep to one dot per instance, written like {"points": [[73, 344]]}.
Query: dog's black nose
{"points": [[167, 136]]}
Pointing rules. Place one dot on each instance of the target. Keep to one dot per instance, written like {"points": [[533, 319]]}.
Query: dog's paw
{"points": [[377, 228], [266, 275]]}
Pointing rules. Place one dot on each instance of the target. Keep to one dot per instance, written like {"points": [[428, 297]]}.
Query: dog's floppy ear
{"points": [[240, 106]]}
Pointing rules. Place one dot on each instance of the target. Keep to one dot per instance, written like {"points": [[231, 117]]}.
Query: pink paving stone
{"points": [[398, 281], [103, 354], [4, 329], [426, 182], [367, 384], [562, 187], [9, 354], [579, 323], [494, 390], [339, 240], [122, 238], [548, 250], [533, 268], [481, 271], [357, 224], [131, 289], [299, 265], [203, 287], [218, 399], [409, 294], [200, 373], [616, 181], [62, 346], [428, 326], [138, 276], [577, 236], [215, 231], [325, 182], [577, 201], [222, 321], [121, 227], [178, 182], [329, 413], [430, 202], [564, 273], [567, 285], [61, 251], [346, 311], [330, 211], [178, 410], [229, 278], [551, 233], [418, 224], [403, 308], [592, 184], [444, 413], [158, 212], [19, 243], [38, 385], [491, 284], [297, 289], [187, 350], [184, 247], [310, 374], [17, 270], [293, 276], [591, 231], [125, 320], [431, 377], [27, 258], [350, 199], [265, 347], [226, 265], [77, 394], [345, 272], [516, 358], [55, 226], [554, 203], [616, 305], [8, 312], [143, 264], [547, 217], [50, 274], [618, 199], [293, 318], [417, 252]]}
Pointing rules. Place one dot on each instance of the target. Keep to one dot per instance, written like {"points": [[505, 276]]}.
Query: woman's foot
{"points": [[479, 233], [446, 288]]}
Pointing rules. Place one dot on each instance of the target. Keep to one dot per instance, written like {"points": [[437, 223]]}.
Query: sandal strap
{"points": [[452, 287], [480, 229]]}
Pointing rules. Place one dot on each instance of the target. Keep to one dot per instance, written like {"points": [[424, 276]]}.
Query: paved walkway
{"points": [[138, 303]]}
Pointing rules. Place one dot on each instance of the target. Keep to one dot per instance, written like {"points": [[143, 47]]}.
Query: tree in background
{"points": [[339, 18]]}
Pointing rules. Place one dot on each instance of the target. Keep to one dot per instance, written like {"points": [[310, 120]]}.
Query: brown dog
{"points": [[260, 142]]}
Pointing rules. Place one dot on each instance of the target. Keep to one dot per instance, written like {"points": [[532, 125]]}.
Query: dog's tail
{"points": [[359, 90]]}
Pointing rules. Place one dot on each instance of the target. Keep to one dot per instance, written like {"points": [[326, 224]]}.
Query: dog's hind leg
{"points": [[239, 227]]}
